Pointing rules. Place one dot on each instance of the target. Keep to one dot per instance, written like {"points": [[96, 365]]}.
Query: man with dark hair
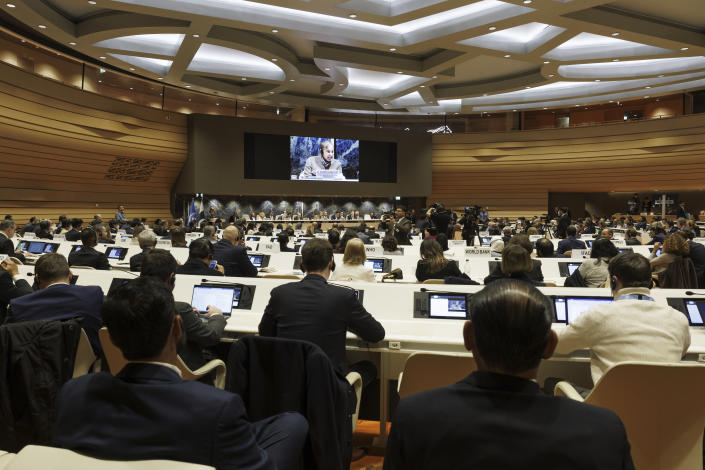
{"points": [[57, 299], [147, 411], [147, 241], [440, 217], [402, 227], [508, 332], [161, 265], [544, 249], [315, 311], [570, 243], [232, 255], [200, 255], [74, 234], [88, 255], [633, 327], [7, 233], [104, 234], [30, 226], [631, 237], [564, 221], [44, 230]]}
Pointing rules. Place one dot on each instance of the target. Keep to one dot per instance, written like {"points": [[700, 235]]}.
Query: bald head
{"points": [[231, 233]]}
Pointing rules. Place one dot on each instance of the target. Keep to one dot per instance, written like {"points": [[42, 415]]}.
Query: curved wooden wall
{"points": [[513, 172], [65, 151]]}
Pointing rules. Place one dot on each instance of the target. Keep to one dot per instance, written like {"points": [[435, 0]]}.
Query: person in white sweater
{"points": [[633, 327], [353, 268]]}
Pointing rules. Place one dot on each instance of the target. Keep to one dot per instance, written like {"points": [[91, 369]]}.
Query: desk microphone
{"points": [[690, 292]]}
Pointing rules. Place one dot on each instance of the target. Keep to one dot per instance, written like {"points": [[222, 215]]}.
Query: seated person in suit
{"points": [[198, 335], [57, 299], [570, 243], [200, 255], [633, 327], [7, 246], [209, 233], [631, 237], [594, 271], [657, 232], [147, 411], [283, 240], [104, 234], [315, 311], [30, 226], [516, 264], [178, 237], [433, 265], [498, 418], [74, 234], [88, 255], [232, 255], [353, 268], [544, 249], [147, 240], [45, 230], [12, 285], [607, 233]]}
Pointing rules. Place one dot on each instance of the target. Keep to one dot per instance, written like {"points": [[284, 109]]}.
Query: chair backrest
{"points": [[662, 408], [424, 371], [434, 281], [37, 457], [85, 357]]}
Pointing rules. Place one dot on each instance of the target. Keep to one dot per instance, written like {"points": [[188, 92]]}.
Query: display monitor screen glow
{"points": [[36, 247], [256, 260], [224, 297], [447, 306], [696, 311], [377, 265], [324, 159], [572, 267], [570, 308]]}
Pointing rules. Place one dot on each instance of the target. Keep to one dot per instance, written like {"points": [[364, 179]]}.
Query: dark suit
{"points": [[60, 302], [88, 256], [136, 260], [73, 235], [659, 237], [45, 236], [401, 231], [313, 310], [563, 224], [148, 412], [10, 290], [199, 334], [570, 244], [7, 247], [498, 422], [234, 259], [697, 254], [633, 242], [197, 267], [680, 212]]}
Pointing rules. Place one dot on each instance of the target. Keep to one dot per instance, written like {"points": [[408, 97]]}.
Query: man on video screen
{"points": [[324, 165]]}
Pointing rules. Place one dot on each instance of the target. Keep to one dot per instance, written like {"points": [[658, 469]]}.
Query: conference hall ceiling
{"points": [[416, 56]]}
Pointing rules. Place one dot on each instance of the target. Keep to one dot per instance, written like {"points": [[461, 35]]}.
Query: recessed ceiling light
{"points": [[188, 86], [661, 76], [274, 59], [546, 61], [275, 30], [292, 80], [392, 49], [341, 84], [189, 99], [551, 76], [684, 48], [196, 35], [217, 104], [648, 87], [435, 76], [514, 110], [526, 2], [10, 5], [72, 43], [422, 86], [647, 96], [41, 26], [545, 108], [400, 71], [131, 88], [611, 101], [132, 69], [160, 78], [507, 56], [615, 60], [102, 57], [340, 95], [100, 81], [92, 2], [597, 80], [271, 92], [243, 78], [327, 68], [352, 15], [244, 107], [492, 28], [615, 34]]}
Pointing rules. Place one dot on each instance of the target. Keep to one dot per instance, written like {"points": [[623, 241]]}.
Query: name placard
{"points": [[374, 250], [581, 253], [478, 251], [268, 246]]}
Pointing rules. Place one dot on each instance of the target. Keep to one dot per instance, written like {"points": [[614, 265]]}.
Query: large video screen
{"points": [[324, 159]]}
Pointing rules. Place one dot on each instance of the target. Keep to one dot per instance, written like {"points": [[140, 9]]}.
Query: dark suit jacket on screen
{"points": [[313, 310], [89, 257], [498, 422], [234, 259], [148, 412], [61, 302]]}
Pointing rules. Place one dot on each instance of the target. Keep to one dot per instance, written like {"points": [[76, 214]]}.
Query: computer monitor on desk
{"points": [[693, 309], [568, 268], [225, 297], [379, 265], [116, 253], [441, 305], [567, 309]]}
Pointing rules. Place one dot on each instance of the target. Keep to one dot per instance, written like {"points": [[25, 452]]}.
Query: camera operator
{"points": [[440, 217], [470, 227]]}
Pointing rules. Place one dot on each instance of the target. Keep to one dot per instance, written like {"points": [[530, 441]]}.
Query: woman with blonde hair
{"points": [[353, 268], [433, 265]]}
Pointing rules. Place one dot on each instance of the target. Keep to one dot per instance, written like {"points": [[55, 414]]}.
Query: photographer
{"points": [[440, 217], [470, 227]]}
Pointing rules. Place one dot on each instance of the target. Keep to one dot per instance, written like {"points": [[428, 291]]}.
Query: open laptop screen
{"points": [[572, 267], [222, 297], [447, 306], [36, 247], [256, 260], [116, 253], [568, 309], [376, 264], [696, 312]]}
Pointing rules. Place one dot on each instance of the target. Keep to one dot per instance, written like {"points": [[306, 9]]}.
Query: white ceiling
{"points": [[416, 56]]}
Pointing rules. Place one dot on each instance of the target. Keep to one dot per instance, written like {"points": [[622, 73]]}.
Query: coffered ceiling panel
{"points": [[409, 56]]}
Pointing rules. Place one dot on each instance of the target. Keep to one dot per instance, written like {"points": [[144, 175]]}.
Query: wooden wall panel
{"points": [[513, 172], [59, 148]]}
